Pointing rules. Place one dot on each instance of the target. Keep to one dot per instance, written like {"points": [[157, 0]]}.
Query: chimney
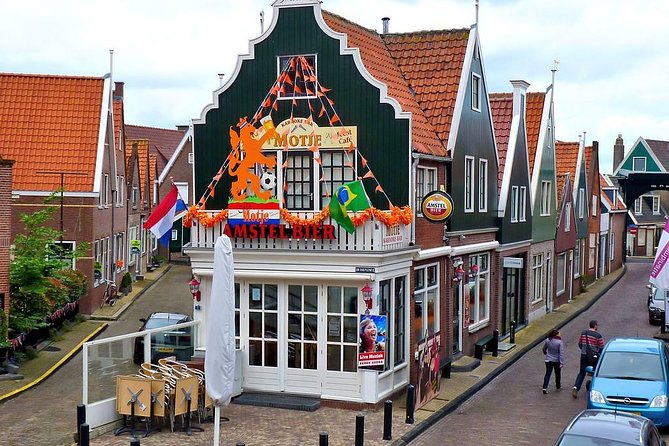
{"points": [[118, 90], [386, 21], [182, 127], [519, 94], [618, 152]]}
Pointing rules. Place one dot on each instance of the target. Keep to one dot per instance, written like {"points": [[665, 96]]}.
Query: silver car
{"points": [[606, 427]]}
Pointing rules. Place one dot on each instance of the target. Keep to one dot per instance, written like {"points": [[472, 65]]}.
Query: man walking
{"points": [[591, 343]]}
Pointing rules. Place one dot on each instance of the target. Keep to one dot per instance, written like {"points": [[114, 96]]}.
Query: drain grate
{"points": [[51, 348]]}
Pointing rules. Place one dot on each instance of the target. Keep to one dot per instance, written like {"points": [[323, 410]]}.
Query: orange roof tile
{"points": [[377, 57], [566, 155], [501, 105], [50, 124], [533, 113], [143, 159], [588, 156], [431, 62], [162, 142]]}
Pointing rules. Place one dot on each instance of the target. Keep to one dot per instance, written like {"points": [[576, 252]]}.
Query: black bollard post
{"points": [[84, 435], [323, 439], [359, 430], [134, 442], [81, 417], [495, 343], [411, 402], [388, 420], [512, 334]]}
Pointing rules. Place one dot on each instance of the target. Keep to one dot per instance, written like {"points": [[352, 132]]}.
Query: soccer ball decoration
{"points": [[267, 180]]}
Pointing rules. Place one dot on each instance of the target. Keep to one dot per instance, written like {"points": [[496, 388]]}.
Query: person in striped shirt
{"points": [[591, 343]]}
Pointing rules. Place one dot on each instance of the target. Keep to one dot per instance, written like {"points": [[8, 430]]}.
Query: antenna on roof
{"points": [[262, 21], [553, 70], [476, 7]]}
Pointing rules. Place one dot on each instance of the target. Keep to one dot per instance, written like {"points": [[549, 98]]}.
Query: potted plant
{"points": [[126, 283]]}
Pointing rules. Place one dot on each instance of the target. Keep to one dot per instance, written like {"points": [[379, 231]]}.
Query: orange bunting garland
{"points": [[378, 189], [369, 174], [392, 217]]}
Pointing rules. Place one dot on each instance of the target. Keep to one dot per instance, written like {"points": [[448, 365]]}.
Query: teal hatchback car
{"points": [[632, 375]]}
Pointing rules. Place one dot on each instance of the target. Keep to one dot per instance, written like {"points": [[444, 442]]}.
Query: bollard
{"points": [[323, 439], [134, 442], [387, 420], [512, 333], [81, 417], [84, 435], [359, 430], [411, 402], [495, 343]]}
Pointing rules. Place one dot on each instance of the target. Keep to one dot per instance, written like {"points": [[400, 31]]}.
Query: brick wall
{"points": [[6, 167]]}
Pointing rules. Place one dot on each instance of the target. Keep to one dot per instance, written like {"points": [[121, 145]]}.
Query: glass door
{"points": [[457, 305], [263, 337], [301, 340]]}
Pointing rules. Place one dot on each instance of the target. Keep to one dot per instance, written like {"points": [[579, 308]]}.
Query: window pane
{"points": [[418, 316], [270, 297], [310, 327], [350, 300], [255, 296], [310, 356], [311, 298], [334, 357], [431, 307], [294, 298], [334, 299], [255, 324], [334, 329], [270, 354], [351, 329], [420, 279], [431, 275], [472, 302], [482, 298], [294, 326], [294, 355], [270, 325], [350, 358], [255, 352]]}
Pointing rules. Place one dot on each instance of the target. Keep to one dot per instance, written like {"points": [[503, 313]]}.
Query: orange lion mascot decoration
{"points": [[242, 166]]}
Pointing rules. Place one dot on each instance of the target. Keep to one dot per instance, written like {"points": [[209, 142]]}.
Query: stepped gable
{"points": [[50, 123], [380, 64]]}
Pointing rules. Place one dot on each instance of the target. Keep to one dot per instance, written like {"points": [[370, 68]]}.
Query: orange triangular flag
{"points": [[318, 160], [294, 102], [330, 101], [322, 111], [211, 192], [363, 161], [319, 94], [298, 89], [267, 103], [334, 119], [369, 174], [314, 149], [276, 106], [285, 164], [323, 89], [311, 108], [349, 164], [350, 148], [322, 178], [288, 79], [378, 189]]}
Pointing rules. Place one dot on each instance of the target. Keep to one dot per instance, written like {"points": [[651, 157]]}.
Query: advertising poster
{"points": [[428, 370], [372, 347]]}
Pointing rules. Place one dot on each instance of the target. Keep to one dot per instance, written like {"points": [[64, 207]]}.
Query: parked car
{"points": [[656, 299], [177, 342], [632, 376], [606, 427]]}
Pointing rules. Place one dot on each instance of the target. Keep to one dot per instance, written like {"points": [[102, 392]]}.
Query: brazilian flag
{"points": [[348, 197]]}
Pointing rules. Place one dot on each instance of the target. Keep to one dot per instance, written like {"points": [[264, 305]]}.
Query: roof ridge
{"points": [[155, 128], [430, 31], [350, 21], [58, 76]]}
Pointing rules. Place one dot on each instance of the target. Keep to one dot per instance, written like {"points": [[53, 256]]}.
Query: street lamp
{"points": [[62, 191]]}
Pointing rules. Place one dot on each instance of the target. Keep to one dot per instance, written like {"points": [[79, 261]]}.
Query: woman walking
{"points": [[554, 357]]}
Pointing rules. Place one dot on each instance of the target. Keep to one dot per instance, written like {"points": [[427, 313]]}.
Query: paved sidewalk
{"points": [[269, 426]]}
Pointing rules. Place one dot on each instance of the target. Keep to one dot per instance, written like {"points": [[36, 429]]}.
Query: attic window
{"points": [[476, 92], [297, 76], [639, 164]]}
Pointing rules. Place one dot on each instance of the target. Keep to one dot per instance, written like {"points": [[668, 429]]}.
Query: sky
{"points": [[611, 78]]}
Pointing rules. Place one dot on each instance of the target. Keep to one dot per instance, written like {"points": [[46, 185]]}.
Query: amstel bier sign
{"points": [[437, 206]]}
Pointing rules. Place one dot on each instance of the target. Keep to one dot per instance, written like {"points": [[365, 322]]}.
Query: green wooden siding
{"points": [[383, 139], [474, 139], [543, 227], [640, 151]]}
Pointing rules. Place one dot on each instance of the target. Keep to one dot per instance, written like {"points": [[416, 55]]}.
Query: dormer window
{"points": [[297, 77], [476, 92]]}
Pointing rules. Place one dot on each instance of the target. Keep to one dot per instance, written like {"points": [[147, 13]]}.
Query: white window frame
{"points": [[288, 96], [545, 198], [481, 260], [483, 185], [592, 250], [635, 159], [104, 193], [476, 92], [469, 184], [656, 205], [121, 191], [612, 247], [421, 295], [581, 203], [567, 217], [522, 204], [577, 259], [191, 156], [594, 205], [561, 285], [537, 277], [134, 199], [514, 204], [638, 206], [426, 181]]}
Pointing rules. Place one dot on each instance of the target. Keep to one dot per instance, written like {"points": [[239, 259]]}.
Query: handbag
{"points": [[591, 354]]}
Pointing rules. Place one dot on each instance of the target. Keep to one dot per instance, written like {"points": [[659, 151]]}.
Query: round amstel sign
{"points": [[437, 206]]}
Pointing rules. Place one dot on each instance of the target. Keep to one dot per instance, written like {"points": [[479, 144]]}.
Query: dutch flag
{"points": [[161, 219]]}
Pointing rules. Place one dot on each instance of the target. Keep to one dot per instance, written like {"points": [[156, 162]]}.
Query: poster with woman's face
{"points": [[372, 340]]}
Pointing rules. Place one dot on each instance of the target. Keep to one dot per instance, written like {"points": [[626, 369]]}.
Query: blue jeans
{"points": [[581, 372], [550, 366]]}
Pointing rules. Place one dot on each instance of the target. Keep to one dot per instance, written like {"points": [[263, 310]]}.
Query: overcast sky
{"points": [[613, 56]]}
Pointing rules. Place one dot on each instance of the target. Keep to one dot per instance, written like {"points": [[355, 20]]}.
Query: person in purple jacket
{"points": [[554, 358]]}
